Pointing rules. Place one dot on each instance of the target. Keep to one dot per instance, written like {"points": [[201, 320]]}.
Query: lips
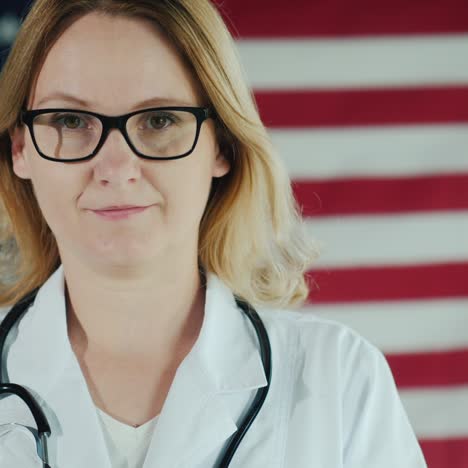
{"points": [[120, 207], [113, 213]]}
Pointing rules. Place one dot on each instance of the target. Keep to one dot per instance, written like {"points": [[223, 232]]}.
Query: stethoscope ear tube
{"points": [[13, 316], [265, 351], [39, 416]]}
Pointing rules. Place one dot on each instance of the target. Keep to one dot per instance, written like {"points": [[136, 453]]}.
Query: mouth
{"points": [[120, 212]]}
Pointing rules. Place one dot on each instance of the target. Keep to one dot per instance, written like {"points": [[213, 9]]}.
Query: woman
{"points": [[140, 233]]}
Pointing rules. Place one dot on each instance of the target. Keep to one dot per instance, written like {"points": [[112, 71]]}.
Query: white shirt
{"points": [[332, 401], [127, 445]]}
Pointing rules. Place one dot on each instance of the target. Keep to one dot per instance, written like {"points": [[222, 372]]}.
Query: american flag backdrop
{"points": [[367, 103]]}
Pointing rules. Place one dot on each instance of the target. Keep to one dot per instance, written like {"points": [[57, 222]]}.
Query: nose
{"points": [[115, 162]]}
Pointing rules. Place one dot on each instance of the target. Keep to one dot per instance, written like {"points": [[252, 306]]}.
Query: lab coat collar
{"points": [[195, 419]]}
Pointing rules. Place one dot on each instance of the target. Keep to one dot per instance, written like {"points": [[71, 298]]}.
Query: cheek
{"points": [[186, 190], [54, 193]]}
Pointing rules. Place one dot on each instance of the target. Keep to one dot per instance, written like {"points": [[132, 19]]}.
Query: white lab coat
{"points": [[332, 401]]}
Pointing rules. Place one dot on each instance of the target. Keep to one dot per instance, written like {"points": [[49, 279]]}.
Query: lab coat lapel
{"points": [[41, 359], [196, 419], [193, 420]]}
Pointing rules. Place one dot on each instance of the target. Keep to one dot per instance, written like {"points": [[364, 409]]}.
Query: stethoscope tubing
{"points": [[265, 352]]}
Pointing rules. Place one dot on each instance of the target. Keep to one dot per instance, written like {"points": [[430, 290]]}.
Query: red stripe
{"points": [[382, 195], [305, 18], [357, 107], [445, 453], [388, 283], [429, 369]]}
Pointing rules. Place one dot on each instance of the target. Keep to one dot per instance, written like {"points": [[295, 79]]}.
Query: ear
{"points": [[20, 164], [221, 165]]}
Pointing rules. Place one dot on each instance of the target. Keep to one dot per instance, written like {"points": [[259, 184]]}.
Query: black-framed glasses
{"points": [[69, 135]]}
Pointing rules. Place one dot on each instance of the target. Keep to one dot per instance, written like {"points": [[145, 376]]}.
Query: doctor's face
{"points": [[114, 66]]}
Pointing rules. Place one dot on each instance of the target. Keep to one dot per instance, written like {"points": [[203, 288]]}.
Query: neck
{"points": [[139, 316]]}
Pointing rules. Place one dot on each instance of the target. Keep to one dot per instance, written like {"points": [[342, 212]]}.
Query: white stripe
{"points": [[386, 152], [362, 62], [403, 326], [441, 412], [392, 239]]}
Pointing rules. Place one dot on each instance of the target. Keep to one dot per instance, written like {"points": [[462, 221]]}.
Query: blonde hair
{"points": [[251, 235]]}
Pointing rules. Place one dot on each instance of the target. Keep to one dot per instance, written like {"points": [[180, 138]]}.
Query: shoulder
{"points": [[342, 380], [310, 349], [316, 337]]}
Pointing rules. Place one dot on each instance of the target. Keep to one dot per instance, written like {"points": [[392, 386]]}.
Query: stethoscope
{"points": [[43, 427]]}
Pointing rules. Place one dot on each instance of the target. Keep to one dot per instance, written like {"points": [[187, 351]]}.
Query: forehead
{"points": [[113, 63]]}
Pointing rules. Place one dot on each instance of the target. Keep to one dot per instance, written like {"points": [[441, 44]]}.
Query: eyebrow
{"points": [[155, 101]]}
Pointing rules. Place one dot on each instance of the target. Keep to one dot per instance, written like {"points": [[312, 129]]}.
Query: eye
{"points": [[70, 121], [159, 121]]}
